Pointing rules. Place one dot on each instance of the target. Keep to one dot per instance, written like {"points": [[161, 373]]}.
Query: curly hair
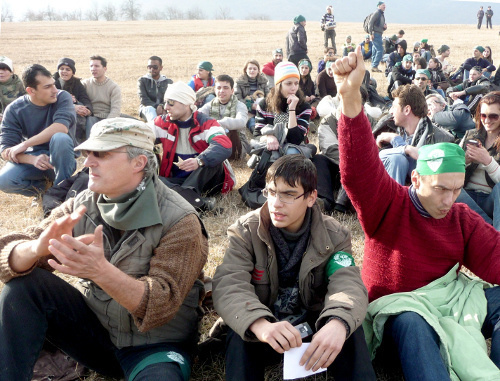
{"points": [[413, 96]]}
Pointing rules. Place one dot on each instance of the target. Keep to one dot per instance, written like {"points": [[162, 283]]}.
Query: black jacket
{"points": [[75, 88]]}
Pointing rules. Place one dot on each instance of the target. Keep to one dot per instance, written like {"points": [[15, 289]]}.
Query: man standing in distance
{"points": [[376, 28]]}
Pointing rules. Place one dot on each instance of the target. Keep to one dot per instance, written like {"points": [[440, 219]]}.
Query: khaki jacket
{"points": [[245, 285]]}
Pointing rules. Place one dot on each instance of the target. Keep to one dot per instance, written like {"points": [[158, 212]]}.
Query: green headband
{"points": [[440, 158]]}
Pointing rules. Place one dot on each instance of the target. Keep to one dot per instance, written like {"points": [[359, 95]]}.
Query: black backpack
{"points": [[366, 23]]}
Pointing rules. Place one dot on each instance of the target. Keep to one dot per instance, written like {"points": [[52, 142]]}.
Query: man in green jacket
{"points": [[288, 264]]}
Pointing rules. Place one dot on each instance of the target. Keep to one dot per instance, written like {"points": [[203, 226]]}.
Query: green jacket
{"points": [[245, 285], [10, 91], [455, 307]]}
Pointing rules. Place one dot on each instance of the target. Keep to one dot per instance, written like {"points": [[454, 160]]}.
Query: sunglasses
{"points": [[154, 67], [99, 154], [491, 117], [170, 102]]}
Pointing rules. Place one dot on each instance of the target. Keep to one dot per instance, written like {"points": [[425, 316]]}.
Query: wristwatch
{"points": [[200, 162]]}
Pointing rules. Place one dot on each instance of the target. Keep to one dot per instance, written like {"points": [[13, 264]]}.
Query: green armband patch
{"points": [[337, 261]]}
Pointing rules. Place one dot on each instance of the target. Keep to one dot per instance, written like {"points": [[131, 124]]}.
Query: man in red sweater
{"points": [[413, 235], [268, 68]]}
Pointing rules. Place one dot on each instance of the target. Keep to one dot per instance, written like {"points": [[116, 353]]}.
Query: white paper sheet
{"points": [[291, 367]]}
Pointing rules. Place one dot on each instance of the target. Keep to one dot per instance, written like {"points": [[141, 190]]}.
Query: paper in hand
{"points": [[291, 367]]}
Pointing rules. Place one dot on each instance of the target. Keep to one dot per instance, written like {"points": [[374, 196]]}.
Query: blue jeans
{"points": [[251, 124], [397, 165], [27, 180], [417, 344], [486, 205], [149, 112], [91, 120], [42, 306], [377, 50]]}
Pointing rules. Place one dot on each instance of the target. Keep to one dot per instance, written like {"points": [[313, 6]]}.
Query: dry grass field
{"points": [[181, 44]]}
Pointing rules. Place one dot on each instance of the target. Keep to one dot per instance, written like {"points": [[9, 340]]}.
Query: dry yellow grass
{"points": [[181, 44]]}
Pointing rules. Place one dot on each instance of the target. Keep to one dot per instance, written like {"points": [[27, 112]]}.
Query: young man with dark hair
{"points": [[231, 114], [422, 308], [151, 88], [288, 264], [105, 95], [414, 129], [37, 136]]}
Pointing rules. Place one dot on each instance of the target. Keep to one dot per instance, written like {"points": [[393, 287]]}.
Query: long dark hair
{"points": [[490, 57], [276, 102], [489, 99]]}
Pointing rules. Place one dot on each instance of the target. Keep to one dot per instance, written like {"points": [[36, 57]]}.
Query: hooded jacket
{"points": [[151, 91]]}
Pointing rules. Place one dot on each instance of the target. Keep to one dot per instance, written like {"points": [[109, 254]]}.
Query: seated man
{"points": [[105, 95], [443, 53], [230, 113], [366, 47], [402, 74], [11, 86], [288, 264], [396, 57], [471, 90], [422, 80], [477, 59], [429, 314], [325, 82], [348, 46], [37, 136], [139, 250], [195, 146], [268, 68], [328, 56], [456, 119], [390, 46], [414, 130], [151, 89]]}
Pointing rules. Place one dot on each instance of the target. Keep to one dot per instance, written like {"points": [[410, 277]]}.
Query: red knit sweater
{"points": [[403, 249]]}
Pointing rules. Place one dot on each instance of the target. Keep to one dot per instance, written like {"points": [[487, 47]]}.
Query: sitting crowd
{"points": [[420, 167]]}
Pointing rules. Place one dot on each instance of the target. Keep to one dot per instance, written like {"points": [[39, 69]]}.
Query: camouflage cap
{"points": [[109, 134], [7, 62]]}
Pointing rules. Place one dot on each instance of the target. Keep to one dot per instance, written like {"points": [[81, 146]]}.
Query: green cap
{"points": [[299, 19], [380, 3], [205, 65], [425, 72], [440, 158], [113, 133], [408, 57], [394, 37], [424, 40], [443, 48], [480, 48]]}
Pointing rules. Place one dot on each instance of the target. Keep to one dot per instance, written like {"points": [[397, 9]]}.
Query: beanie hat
{"points": [[367, 36], [181, 92], [408, 57], [443, 48], [299, 19], [278, 51], [425, 72], [480, 48], [305, 61], [205, 65], [403, 44], [68, 62], [394, 37], [329, 7], [424, 40], [380, 3], [348, 38], [439, 158], [6, 61], [329, 64], [282, 71]]}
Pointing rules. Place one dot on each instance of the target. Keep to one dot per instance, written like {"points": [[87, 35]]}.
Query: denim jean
{"points": [[27, 180], [251, 124], [42, 306], [397, 165], [417, 344], [149, 112], [377, 50], [486, 205], [91, 120]]}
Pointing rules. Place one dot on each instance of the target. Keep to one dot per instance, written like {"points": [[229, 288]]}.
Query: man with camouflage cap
{"points": [[138, 249], [11, 86], [268, 68]]}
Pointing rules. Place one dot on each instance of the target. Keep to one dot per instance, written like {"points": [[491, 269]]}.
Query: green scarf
{"points": [[230, 108], [134, 210]]}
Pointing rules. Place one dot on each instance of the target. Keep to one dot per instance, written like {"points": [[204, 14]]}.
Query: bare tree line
{"points": [[128, 10]]}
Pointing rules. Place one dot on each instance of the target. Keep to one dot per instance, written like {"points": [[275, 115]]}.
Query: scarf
{"points": [[229, 112], [134, 210]]}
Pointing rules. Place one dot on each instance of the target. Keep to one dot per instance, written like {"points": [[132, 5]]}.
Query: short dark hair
{"points": [[30, 73], [294, 170], [225, 78], [104, 63], [413, 96], [156, 58], [402, 32]]}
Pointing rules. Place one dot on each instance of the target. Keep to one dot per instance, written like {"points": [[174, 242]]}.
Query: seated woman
{"points": [[329, 54], [438, 80], [481, 190], [66, 80], [307, 85], [281, 126], [250, 88], [203, 83]]}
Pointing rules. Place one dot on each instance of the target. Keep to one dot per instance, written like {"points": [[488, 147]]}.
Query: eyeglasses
{"points": [[99, 154], [421, 79], [491, 117], [285, 198], [170, 102], [154, 67]]}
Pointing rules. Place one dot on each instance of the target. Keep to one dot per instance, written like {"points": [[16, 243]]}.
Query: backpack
{"points": [[366, 23]]}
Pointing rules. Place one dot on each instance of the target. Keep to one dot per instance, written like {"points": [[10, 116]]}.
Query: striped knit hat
{"points": [[285, 70]]}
